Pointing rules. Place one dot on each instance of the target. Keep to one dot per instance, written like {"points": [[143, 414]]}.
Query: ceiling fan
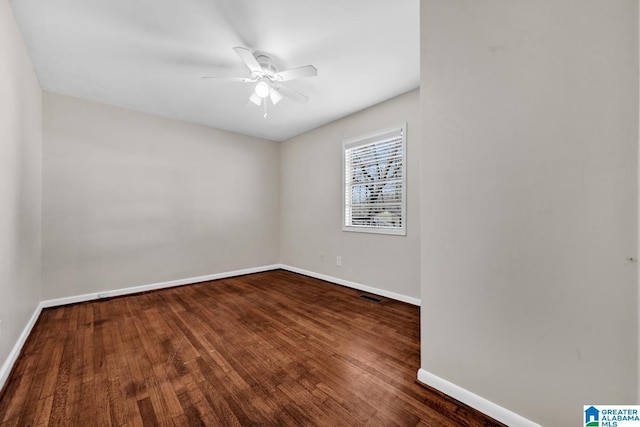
{"points": [[268, 79]]}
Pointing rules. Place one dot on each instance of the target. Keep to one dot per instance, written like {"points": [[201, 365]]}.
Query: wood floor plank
{"points": [[147, 413], [273, 348]]}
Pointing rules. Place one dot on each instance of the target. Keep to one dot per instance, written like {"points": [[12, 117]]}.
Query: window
{"points": [[374, 177]]}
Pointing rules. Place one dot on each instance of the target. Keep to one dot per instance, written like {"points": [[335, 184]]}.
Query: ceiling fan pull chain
{"points": [[264, 101]]}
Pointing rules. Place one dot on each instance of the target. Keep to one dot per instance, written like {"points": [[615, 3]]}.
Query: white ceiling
{"points": [[150, 55]]}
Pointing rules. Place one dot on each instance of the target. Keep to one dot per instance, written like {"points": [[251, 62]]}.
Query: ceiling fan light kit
{"points": [[255, 99], [275, 96], [263, 89], [268, 79]]}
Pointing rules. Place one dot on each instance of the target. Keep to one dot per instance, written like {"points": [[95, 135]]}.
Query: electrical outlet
{"points": [[338, 260]]}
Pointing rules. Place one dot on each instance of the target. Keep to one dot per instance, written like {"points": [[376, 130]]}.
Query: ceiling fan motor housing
{"points": [[267, 65]]}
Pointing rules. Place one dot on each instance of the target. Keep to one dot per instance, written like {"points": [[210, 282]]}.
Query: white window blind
{"points": [[374, 182]]}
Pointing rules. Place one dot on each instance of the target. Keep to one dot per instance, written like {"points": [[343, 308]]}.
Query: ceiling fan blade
{"points": [[230, 79], [296, 73], [248, 58], [293, 94]]}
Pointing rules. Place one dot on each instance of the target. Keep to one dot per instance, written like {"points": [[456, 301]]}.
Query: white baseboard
{"points": [[15, 351], [481, 404], [354, 285], [154, 286]]}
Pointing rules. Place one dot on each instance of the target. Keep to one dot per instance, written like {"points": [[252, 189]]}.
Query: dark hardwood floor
{"points": [[272, 348]]}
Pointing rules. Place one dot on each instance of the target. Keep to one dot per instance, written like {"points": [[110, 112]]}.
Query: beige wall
{"points": [[529, 195], [311, 192], [20, 184], [131, 199]]}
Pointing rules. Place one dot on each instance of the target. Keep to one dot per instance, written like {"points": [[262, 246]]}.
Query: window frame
{"points": [[367, 139]]}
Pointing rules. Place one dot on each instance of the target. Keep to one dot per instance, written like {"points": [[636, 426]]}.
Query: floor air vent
{"points": [[370, 298]]}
